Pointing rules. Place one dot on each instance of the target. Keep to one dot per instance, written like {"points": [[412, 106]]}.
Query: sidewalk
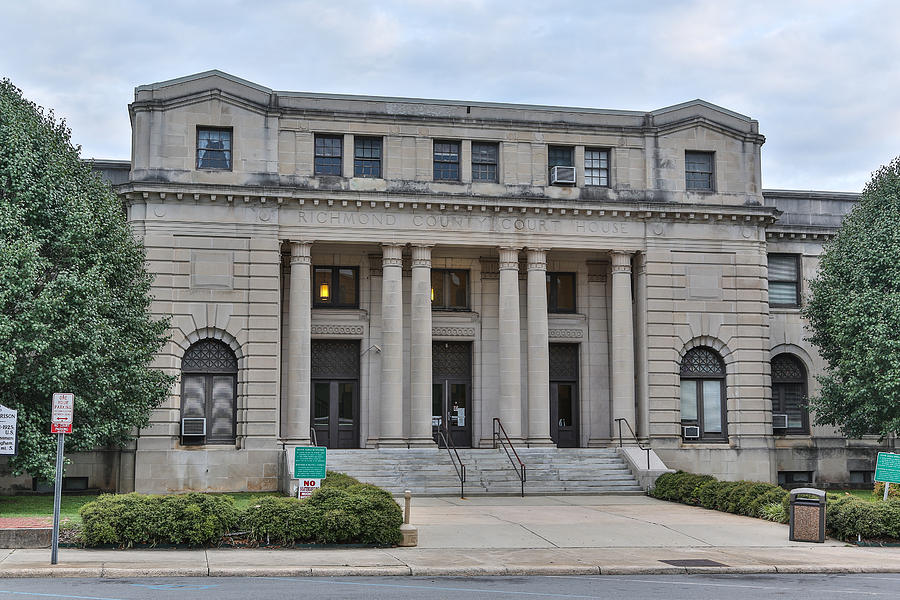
{"points": [[539, 535]]}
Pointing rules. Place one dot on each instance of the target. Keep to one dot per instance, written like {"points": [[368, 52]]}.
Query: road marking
{"points": [[725, 585], [44, 595]]}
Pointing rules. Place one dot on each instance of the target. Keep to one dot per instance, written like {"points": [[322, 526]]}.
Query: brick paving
{"points": [[25, 522]]}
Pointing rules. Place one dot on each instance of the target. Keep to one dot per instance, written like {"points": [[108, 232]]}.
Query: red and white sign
{"points": [[307, 487], [63, 410]]}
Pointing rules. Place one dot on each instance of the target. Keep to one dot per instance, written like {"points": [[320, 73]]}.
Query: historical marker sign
{"points": [[309, 462], [62, 412], [887, 467], [8, 419]]}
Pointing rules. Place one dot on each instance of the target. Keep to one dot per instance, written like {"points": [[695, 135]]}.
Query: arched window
{"points": [[703, 413], [789, 395], [208, 392]]}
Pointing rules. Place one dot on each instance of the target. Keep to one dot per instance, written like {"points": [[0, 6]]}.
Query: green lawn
{"points": [[866, 494], [42, 506]]}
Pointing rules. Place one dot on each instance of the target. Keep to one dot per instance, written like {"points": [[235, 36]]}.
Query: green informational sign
{"points": [[309, 462], [887, 467]]}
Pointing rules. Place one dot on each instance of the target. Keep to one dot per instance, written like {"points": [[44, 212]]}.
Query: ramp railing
{"points": [[503, 440], [447, 441], [636, 440]]}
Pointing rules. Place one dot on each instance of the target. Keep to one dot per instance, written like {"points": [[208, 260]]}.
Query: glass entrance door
{"points": [[335, 417], [563, 412], [450, 409]]}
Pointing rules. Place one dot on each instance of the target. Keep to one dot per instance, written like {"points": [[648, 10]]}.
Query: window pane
{"points": [[782, 267], [484, 162], [562, 292], [596, 167], [321, 401], [564, 404], [688, 400], [437, 289], [345, 404], [783, 293], [437, 395], [323, 290], [328, 155], [698, 170], [458, 406], [712, 406], [213, 149], [459, 293], [193, 396], [560, 156], [347, 287], [221, 418], [367, 157]]}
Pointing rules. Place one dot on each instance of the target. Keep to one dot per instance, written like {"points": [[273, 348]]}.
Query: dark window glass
{"points": [[789, 393], [596, 167], [784, 280], [367, 157], [794, 477], [449, 289], [561, 292], [484, 162], [209, 391], [321, 403], [213, 148], [329, 154], [446, 161], [335, 287], [703, 393], [698, 170], [560, 156]]}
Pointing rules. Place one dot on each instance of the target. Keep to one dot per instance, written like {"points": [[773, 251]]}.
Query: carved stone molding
{"points": [[597, 270], [490, 268], [453, 331], [566, 333], [336, 330]]}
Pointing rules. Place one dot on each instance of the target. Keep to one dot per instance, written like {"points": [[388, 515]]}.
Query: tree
{"points": [[854, 314], [74, 294]]}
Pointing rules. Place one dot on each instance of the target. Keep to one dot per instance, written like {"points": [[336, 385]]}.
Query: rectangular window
{"points": [[784, 280], [794, 477], [449, 289], [446, 161], [214, 148], [561, 292], [329, 154], [366, 157], [484, 162], [336, 287], [560, 156], [698, 171], [596, 167], [865, 477]]}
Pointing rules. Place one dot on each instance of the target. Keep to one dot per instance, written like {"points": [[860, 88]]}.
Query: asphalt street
{"points": [[670, 587]]}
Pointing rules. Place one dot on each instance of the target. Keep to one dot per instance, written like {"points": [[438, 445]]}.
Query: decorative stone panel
{"points": [[336, 330], [566, 333]]}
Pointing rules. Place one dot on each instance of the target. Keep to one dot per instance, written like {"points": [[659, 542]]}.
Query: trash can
{"points": [[807, 515]]}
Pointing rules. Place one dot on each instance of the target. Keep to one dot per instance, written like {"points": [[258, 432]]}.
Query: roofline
{"points": [[821, 194], [203, 75]]}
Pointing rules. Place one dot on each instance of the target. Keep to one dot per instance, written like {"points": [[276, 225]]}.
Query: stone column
{"points": [[538, 350], [510, 404], [622, 342], [420, 348], [641, 347], [297, 413], [391, 434]]}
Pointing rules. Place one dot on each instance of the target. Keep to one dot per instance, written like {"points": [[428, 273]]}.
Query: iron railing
{"points": [[506, 444], [454, 458], [636, 440], [313, 440]]}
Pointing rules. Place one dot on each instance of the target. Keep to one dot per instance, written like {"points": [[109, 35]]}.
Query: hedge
{"points": [[846, 517], [342, 511]]}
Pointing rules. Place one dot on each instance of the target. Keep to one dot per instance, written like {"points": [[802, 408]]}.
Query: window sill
{"points": [[785, 309]]}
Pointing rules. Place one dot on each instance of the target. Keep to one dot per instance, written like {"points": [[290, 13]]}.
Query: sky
{"points": [[821, 77]]}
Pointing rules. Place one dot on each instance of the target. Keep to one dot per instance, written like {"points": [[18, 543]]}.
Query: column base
{"points": [[422, 443], [296, 442], [393, 443], [541, 443]]}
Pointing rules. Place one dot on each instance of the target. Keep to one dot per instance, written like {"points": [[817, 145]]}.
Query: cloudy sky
{"points": [[821, 77]]}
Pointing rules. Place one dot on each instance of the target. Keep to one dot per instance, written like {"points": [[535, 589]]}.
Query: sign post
{"points": [[887, 469], [63, 409], [309, 468], [8, 439]]}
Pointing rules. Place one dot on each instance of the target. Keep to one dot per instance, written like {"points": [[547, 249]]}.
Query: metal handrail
{"points": [[636, 440], [507, 446], [461, 470], [313, 440]]}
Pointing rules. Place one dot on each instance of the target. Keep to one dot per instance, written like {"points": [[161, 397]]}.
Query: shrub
{"points": [[893, 491], [341, 480], [279, 520]]}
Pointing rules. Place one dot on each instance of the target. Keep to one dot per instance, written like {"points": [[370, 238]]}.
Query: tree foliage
{"points": [[74, 294], [854, 314]]}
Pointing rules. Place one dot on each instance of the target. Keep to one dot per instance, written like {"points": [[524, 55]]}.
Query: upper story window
{"points": [[703, 406], [367, 157], [214, 148], [484, 162], [561, 156], [596, 167], [561, 292], [446, 161], [336, 287], [329, 154], [449, 289], [784, 280], [698, 171]]}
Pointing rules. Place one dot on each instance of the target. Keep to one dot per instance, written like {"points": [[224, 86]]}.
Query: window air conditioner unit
{"points": [[562, 176], [779, 421], [193, 427], [690, 432]]}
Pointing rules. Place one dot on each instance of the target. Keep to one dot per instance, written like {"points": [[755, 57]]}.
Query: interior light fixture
{"points": [[324, 292]]}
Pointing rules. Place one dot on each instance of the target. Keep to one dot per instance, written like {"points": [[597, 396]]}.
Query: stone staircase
{"points": [[549, 471]]}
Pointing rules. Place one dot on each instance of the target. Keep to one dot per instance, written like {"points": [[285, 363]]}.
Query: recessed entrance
{"points": [[564, 395], [452, 391], [335, 393]]}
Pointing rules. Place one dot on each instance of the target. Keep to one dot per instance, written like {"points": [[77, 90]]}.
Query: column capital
{"points": [[537, 259], [621, 261], [392, 255], [300, 252], [509, 258], [421, 255]]}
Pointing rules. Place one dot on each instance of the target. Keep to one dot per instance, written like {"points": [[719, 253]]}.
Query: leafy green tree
{"points": [[74, 294], [854, 314]]}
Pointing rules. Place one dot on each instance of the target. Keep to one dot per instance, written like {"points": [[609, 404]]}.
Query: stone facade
{"points": [[656, 269]]}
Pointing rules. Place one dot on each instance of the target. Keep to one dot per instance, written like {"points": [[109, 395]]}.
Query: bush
{"points": [[125, 520], [893, 491], [851, 518], [341, 480], [279, 520]]}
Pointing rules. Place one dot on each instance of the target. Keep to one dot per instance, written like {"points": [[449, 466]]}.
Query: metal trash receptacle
{"points": [[807, 515]]}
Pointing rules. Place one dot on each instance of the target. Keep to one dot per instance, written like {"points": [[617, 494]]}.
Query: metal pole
{"points": [[57, 496], [887, 487]]}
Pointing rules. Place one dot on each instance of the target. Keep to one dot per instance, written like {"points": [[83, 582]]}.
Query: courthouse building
{"points": [[364, 270]]}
